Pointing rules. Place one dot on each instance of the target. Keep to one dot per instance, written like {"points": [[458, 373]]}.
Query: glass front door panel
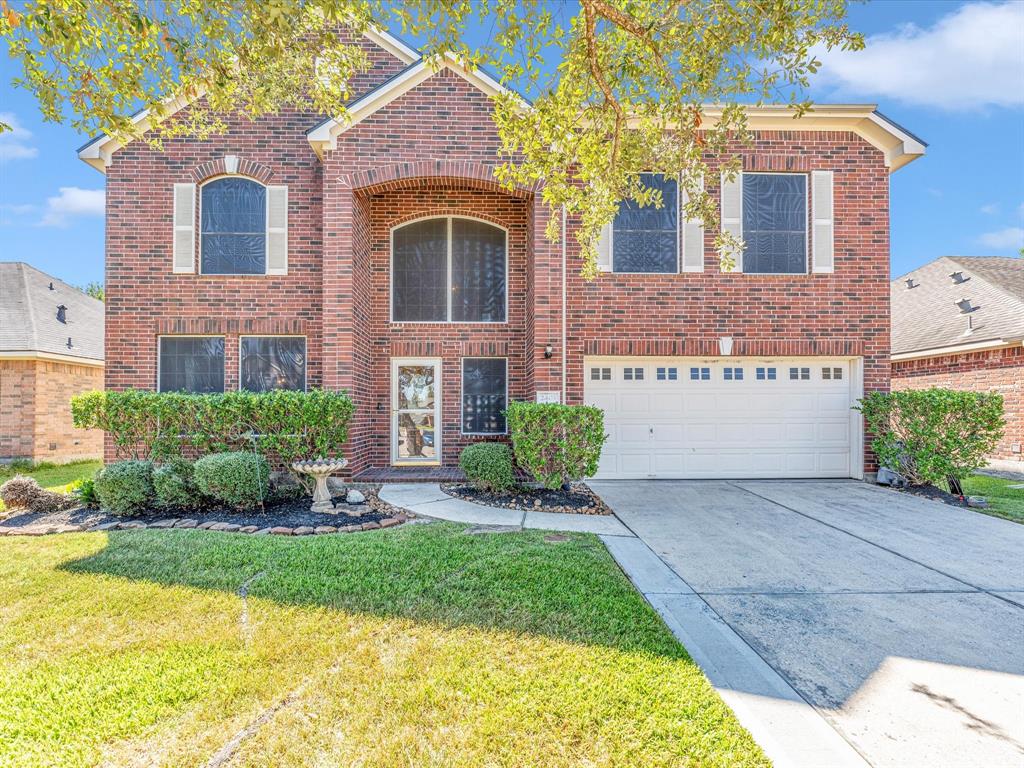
{"points": [[415, 387], [416, 399], [416, 437]]}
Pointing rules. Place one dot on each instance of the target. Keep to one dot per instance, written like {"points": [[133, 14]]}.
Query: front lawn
{"points": [[1003, 500], [415, 646], [55, 477]]}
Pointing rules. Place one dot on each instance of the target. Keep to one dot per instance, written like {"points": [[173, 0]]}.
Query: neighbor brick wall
{"points": [[999, 370], [35, 411]]}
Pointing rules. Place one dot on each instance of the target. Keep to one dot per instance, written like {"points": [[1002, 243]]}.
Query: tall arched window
{"points": [[448, 269], [233, 227]]}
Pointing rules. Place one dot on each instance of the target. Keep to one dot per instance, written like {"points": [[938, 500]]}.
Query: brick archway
{"points": [[219, 167], [432, 174]]}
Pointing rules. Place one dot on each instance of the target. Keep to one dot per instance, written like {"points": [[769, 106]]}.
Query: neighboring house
{"points": [[51, 347], [958, 322], [379, 255]]}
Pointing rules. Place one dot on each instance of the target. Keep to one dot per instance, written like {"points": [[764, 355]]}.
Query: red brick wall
{"points": [[999, 370], [17, 408]]}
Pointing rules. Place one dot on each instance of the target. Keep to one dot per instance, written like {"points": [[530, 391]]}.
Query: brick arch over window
{"points": [[440, 213], [219, 167], [431, 174]]}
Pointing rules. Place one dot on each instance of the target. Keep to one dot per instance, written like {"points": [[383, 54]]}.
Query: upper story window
{"points": [[646, 238], [449, 269], [233, 227], [775, 223]]}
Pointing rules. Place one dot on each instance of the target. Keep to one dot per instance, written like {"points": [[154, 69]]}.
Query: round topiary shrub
{"points": [[237, 478], [125, 487], [20, 492], [174, 483], [488, 466]]}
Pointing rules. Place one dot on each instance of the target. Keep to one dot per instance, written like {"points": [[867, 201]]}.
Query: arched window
{"points": [[233, 227], [448, 269]]}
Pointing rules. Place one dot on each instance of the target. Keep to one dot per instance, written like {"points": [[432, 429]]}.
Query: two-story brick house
{"points": [[378, 255]]}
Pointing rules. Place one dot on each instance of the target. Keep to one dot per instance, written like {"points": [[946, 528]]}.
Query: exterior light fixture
{"points": [[725, 345], [548, 351]]}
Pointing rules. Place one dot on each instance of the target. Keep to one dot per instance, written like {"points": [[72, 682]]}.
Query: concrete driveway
{"points": [[900, 620]]}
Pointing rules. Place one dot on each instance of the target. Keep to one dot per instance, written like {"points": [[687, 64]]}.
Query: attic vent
{"points": [[51, 286], [69, 343], [62, 314], [958, 277], [965, 306], [910, 283]]}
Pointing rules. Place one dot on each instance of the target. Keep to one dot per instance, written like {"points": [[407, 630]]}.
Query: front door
{"points": [[415, 411]]}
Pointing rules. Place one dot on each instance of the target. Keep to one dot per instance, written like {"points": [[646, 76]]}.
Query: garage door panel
{"points": [[717, 427]]}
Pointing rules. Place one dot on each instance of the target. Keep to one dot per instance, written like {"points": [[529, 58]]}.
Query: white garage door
{"points": [[735, 417]]}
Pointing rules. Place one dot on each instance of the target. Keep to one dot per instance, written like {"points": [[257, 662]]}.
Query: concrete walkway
{"points": [[900, 619], [428, 500]]}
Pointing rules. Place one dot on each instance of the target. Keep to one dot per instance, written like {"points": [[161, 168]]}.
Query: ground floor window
{"points": [[484, 395], [191, 364], [272, 362]]}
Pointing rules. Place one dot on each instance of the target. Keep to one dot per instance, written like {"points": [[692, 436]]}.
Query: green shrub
{"points": [[556, 443], [928, 435], [158, 425], [488, 466], [125, 487], [237, 478], [174, 483], [85, 490]]}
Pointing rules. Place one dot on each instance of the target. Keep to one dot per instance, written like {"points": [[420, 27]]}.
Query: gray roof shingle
{"points": [[28, 315], [927, 316]]}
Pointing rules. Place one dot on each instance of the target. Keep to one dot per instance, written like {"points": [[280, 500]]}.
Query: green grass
{"points": [[414, 646], [1003, 501], [56, 477]]}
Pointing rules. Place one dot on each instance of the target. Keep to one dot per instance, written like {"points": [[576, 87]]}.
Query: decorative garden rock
{"points": [[354, 497], [320, 470]]}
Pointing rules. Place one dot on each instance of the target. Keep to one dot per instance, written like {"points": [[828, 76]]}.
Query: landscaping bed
{"points": [[579, 499], [283, 516]]}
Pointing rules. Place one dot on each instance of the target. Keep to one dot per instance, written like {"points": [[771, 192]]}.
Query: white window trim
{"points": [[199, 225], [159, 350], [448, 319], [610, 233], [462, 392], [396, 362], [305, 367], [808, 221]]}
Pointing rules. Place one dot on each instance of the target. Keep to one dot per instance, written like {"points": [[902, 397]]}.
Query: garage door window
{"points": [[600, 374], [766, 374], [799, 374], [700, 374], [834, 374], [633, 374], [668, 374], [733, 374]]}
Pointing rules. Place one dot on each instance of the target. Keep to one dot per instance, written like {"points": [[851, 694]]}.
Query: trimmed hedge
{"points": [[237, 478], [556, 443], [125, 487], [928, 435], [488, 466], [175, 486], [158, 425]]}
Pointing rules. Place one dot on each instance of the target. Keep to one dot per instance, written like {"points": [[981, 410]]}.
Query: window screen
{"points": [[233, 227], [420, 271], [646, 238], [478, 272], [483, 395], [775, 223], [273, 362], [191, 364]]}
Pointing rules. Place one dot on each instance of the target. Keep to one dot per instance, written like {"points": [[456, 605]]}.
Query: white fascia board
{"points": [[393, 45], [958, 349], [52, 357]]}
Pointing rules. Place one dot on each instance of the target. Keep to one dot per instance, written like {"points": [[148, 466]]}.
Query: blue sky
{"points": [[950, 72]]}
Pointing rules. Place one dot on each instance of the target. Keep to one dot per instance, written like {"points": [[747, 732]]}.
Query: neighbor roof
{"points": [[927, 317], [28, 316]]}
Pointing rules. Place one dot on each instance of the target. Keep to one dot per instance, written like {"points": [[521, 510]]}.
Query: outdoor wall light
{"points": [[549, 351]]}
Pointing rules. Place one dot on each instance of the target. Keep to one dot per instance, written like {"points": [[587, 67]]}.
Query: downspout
{"points": [[564, 335]]}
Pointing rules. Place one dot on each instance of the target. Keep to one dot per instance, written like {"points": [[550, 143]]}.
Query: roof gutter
{"points": [[978, 346]]}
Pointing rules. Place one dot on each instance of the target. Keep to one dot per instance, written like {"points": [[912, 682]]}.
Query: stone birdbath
{"points": [[320, 470]]}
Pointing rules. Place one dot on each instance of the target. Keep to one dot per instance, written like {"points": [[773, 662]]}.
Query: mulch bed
{"points": [[936, 494], [284, 516], [579, 499]]}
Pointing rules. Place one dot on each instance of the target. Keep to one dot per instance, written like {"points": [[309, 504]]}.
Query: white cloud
{"points": [[970, 58], [990, 209], [72, 201], [14, 144], [1010, 238]]}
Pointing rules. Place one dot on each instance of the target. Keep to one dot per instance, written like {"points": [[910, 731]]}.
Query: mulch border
{"points": [[600, 509]]}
